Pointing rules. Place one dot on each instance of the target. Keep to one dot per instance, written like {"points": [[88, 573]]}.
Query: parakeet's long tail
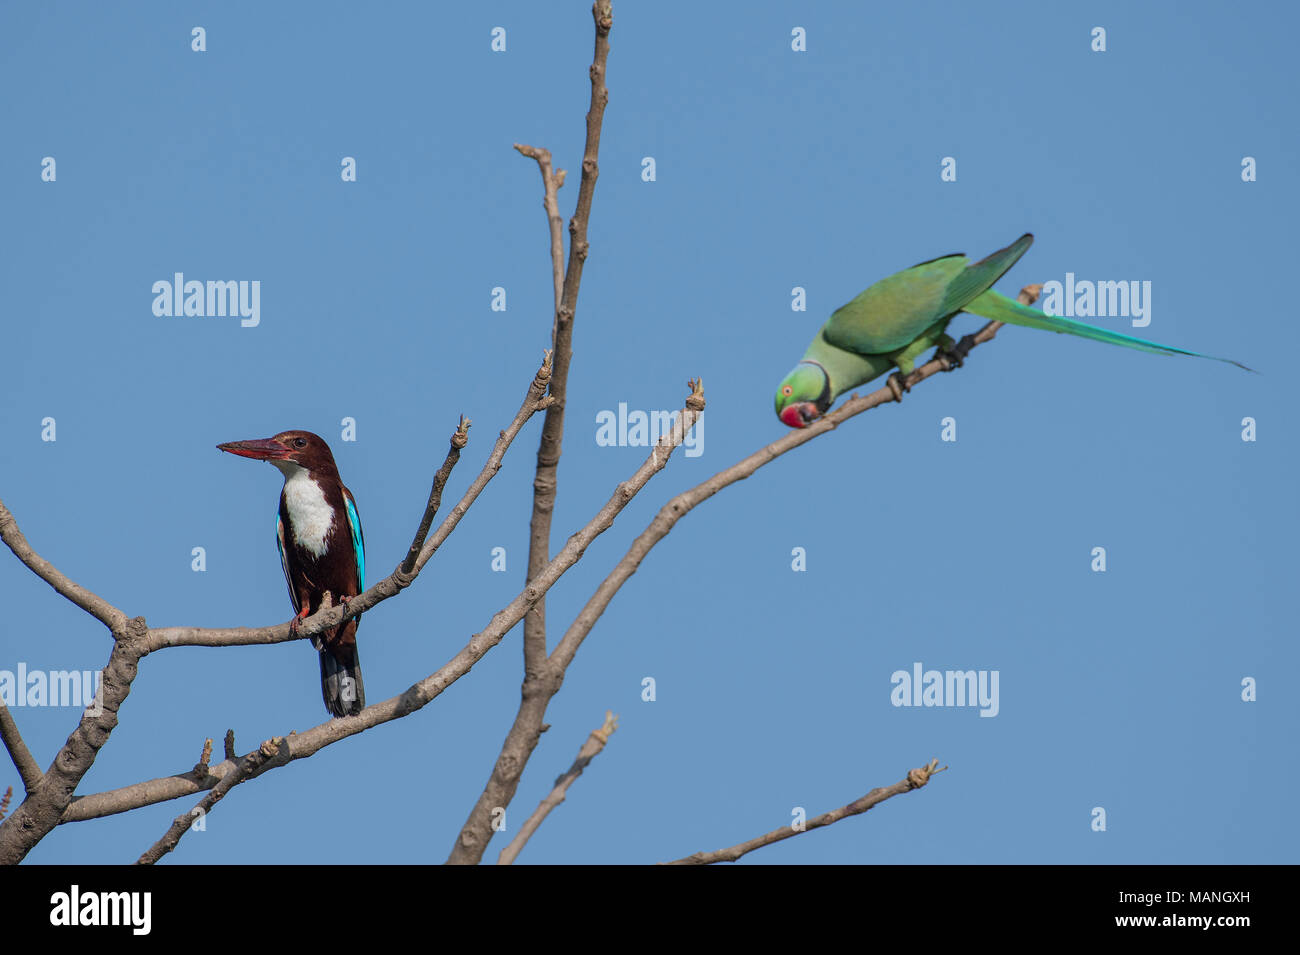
{"points": [[998, 307], [340, 681]]}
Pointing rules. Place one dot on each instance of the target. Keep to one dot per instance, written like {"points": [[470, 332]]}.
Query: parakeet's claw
{"points": [[897, 383], [953, 353], [962, 349], [947, 353]]}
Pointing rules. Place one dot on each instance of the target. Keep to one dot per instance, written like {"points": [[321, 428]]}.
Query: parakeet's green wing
{"points": [[993, 305], [893, 311], [896, 310], [980, 276]]}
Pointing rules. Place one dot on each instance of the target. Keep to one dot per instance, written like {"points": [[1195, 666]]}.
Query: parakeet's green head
{"points": [[804, 395]]}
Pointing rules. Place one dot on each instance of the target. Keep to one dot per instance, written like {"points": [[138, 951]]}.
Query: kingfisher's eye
{"points": [[299, 443], [787, 390]]}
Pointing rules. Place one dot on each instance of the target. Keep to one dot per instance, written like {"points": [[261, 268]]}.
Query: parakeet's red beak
{"points": [[800, 414]]}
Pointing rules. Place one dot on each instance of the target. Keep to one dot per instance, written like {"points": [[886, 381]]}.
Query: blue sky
{"points": [[774, 169]]}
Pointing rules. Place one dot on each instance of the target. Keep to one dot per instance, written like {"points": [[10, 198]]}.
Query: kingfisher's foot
{"points": [[347, 599], [296, 622]]}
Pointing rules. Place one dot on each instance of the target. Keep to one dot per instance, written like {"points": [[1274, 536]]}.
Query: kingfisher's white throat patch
{"points": [[310, 517]]}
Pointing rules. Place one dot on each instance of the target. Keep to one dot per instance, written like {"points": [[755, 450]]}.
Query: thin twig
{"points": [[915, 779], [590, 749], [458, 441], [552, 180]]}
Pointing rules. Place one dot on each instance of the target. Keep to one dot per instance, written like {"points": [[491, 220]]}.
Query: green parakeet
{"points": [[894, 321]]}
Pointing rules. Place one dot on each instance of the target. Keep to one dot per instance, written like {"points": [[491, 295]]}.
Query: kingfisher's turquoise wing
{"points": [[358, 539]]}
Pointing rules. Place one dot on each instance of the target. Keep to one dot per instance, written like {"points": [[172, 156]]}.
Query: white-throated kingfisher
{"points": [[321, 549]]}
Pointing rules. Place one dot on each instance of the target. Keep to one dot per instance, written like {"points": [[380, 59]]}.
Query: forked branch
{"points": [[589, 751]]}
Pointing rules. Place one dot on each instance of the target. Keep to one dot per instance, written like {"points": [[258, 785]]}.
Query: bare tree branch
{"points": [[45, 803], [552, 180], [548, 451], [590, 749], [458, 441], [96, 606], [4, 800], [534, 623], [28, 769], [915, 779], [146, 793], [182, 823]]}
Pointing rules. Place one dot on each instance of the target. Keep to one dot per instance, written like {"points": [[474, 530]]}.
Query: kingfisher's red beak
{"points": [[265, 449], [800, 414]]}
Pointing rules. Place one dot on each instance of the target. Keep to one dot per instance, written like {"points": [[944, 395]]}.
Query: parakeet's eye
{"points": [[787, 390], [299, 442]]}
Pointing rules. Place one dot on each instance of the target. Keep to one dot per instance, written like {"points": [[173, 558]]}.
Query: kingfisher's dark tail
{"points": [[340, 680]]}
